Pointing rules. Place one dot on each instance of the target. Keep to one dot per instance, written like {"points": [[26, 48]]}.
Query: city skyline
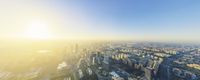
{"points": [[99, 40], [124, 20]]}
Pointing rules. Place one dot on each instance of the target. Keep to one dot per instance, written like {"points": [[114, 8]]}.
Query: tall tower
{"points": [[76, 48]]}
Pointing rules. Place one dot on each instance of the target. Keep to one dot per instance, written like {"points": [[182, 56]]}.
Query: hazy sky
{"points": [[113, 19]]}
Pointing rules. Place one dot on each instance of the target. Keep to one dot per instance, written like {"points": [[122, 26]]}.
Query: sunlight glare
{"points": [[38, 30]]}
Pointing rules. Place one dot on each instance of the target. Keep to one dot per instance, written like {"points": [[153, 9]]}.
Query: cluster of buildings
{"points": [[124, 61]]}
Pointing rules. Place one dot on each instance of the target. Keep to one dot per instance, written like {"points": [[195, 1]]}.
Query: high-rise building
{"points": [[148, 73]]}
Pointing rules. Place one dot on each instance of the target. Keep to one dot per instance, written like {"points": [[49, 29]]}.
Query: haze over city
{"points": [[99, 40]]}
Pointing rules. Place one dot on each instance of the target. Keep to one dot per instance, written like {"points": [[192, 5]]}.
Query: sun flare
{"points": [[38, 30]]}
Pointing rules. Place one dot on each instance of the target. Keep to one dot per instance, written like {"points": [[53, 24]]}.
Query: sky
{"points": [[104, 19]]}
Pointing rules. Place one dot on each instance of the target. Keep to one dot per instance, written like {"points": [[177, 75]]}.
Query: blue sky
{"points": [[133, 19], [156, 18]]}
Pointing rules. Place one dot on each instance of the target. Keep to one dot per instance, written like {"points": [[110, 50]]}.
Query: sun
{"points": [[38, 30]]}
